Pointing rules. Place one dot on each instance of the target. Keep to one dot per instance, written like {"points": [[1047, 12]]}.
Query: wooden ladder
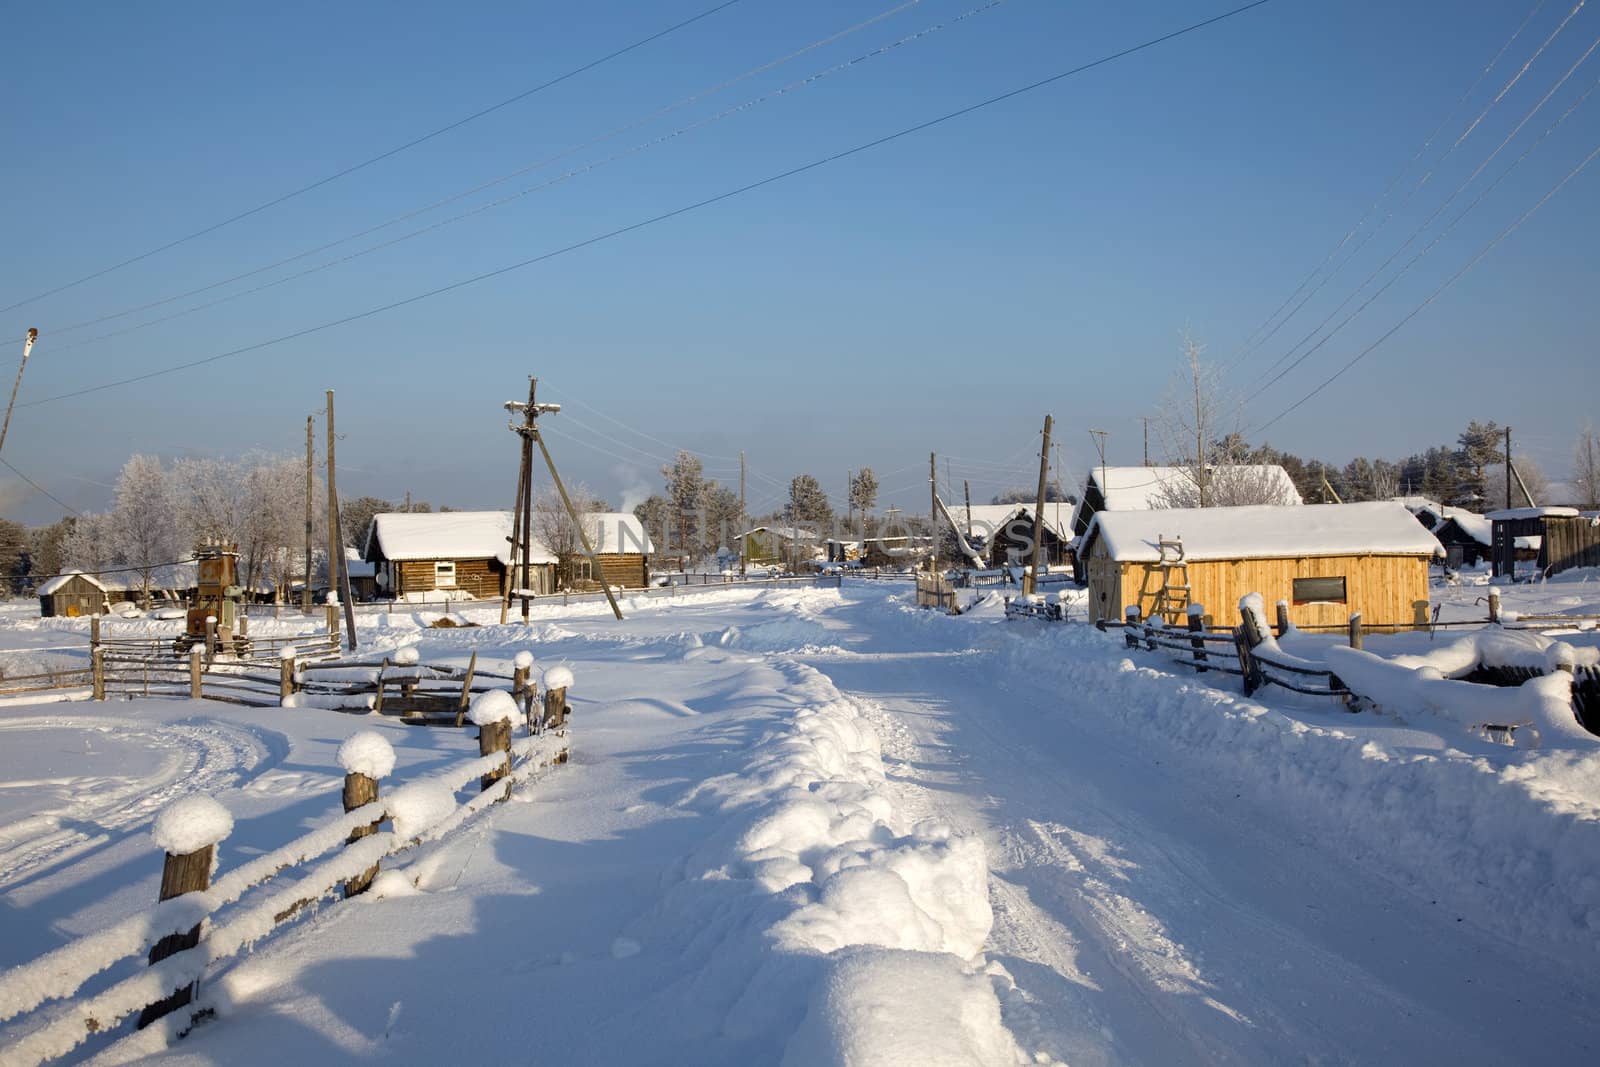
{"points": [[1172, 599]]}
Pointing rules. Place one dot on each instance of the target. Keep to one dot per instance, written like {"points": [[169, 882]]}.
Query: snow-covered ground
{"points": [[818, 826]]}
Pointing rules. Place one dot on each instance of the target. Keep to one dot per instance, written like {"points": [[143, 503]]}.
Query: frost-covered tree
{"points": [[212, 497], [144, 520], [272, 535], [1586, 469], [553, 527], [1538, 486], [686, 491], [1481, 446], [808, 504], [88, 545], [722, 518]]}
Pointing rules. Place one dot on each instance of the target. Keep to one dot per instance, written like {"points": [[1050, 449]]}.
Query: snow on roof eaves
{"points": [[1512, 514], [60, 580], [1264, 532], [447, 535], [1143, 488]]}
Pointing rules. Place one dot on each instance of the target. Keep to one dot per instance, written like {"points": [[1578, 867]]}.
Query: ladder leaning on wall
{"points": [[1172, 598]]}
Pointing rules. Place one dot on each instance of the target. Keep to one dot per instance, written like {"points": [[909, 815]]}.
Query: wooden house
{"points": [[779, 545], [622, 549], [73, 594], [1003, 533], [1150, 488], [1327, 560], [1566, 538], [430, 555]]}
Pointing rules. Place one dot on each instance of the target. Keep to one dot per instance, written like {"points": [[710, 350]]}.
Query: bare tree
{"points": [[88, 545], [1586, 469], [144, 520], [553, 527]]}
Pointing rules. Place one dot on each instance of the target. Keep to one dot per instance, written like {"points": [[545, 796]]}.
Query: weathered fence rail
{"points": [[197, 924]]}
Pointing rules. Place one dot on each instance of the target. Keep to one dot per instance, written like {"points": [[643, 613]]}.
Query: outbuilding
{"points": [[1003, 533], [450, 554], [1567, 538], [622, 549], [1328, 561], [71, 595]]}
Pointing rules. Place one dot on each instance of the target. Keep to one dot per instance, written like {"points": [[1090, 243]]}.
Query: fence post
{"points": [[94, 631], [1130, 621], [97, 659], [195, 673], [366, 758], [1197, 625], [1247, 662], [331, 611], [286, 666], [466, 693], [1283, 617], [521, 690], [1355, 630], [1494, 604], [194, 825], [211, 637]]}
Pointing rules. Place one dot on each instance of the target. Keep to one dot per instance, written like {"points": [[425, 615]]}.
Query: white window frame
{"points": [[444, 574]]}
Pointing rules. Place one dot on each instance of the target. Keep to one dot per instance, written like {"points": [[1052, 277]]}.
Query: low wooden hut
{"points": [[1327, 560], [779, 545], [622, 548], [1003, 533], [449, 553], [1566, 538], [71, 595]]}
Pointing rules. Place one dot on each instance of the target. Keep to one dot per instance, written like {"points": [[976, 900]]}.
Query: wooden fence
{"points": [[936, 591], [198, 923]]}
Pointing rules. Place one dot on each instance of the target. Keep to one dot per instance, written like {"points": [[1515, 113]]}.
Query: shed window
{"points": [[1319, 591], [444, 574]]}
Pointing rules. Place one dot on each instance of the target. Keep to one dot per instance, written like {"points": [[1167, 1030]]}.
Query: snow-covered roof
{"points": [[618, 532], [54, 584], [988, 518], [1512, 514], [794, 533], [1144, 488], [401, 535], [1480, 529], [1263, 531]]}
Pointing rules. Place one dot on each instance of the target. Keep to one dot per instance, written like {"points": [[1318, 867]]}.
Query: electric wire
{"points": [[1502, 235], [39, 487], [729, 194], [56, 331], [1251, 344], [347, 171]]}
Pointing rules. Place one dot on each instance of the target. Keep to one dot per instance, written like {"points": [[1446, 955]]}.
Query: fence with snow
{"points": [[199, 923], [1548, 690]]}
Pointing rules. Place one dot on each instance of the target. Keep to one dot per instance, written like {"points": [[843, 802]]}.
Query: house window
{"points": [[444, 574], [1319, 591], [582, 570]]}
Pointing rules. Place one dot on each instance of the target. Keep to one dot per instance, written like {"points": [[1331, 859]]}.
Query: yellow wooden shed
{"points": [[1327, 560]]}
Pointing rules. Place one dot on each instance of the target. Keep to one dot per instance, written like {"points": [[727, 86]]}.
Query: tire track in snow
{"points": [[197, 756]]}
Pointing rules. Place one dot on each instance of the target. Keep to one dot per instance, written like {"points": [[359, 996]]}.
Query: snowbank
{"points": [[190, 825]]}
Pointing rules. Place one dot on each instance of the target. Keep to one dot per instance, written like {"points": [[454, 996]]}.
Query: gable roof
{"points": [[399, 535], [988, 519], [54, 584], [1262, 531], [617, 532], [1147, 488]]}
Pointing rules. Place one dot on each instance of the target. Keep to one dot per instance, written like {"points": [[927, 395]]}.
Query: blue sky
{"points": [[940, 293]]}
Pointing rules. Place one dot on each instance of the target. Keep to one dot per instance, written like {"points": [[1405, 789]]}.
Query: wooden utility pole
{"points": [[27, 346], [933, 512], [966, 491], [305, 591], [529, 431], [743, 519], [1509, 504], [1146, 420], [338, 574], [1030, 581], [508, 581]]}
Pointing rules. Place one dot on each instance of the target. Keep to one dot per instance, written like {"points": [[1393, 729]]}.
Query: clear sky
{"points": [[938, 293]]}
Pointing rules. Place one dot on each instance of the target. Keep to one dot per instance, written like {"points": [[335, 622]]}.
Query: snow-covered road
{"points": [[1153, 911]]}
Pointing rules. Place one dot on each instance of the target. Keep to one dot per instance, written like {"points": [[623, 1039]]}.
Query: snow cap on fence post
{"points": [[523, 660], [408, 656], [190, 825], [559, 677], [288, 652], [491, 707], [367, 753]]}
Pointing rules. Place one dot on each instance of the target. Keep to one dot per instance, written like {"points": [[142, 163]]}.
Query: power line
{"points": [[674, 213], [347, 171], [56, 331], [1442, 234], [1502, 235], [1252, 343], [39, 487]]}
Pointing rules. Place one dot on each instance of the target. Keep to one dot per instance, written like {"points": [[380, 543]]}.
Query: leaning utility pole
{"points": [[305, 590], [529, 431], [1030, 581], [966, 490], [27, 346]]}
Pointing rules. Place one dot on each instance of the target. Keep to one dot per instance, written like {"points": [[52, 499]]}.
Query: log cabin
{"points": [[456, 554]]}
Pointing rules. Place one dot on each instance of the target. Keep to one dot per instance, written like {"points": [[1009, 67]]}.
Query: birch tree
{"points": [[1586, 469], [144, 520]]}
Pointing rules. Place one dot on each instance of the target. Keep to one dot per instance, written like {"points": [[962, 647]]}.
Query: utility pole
{"points": [[1099, 438], [27, 346], [849, 509], [1031, 579], [743, 518], [933, 512], [966, 491], [305, 590], [1508, 467], [338, 575], [529, 431], [1146, 420], [408, 501]]}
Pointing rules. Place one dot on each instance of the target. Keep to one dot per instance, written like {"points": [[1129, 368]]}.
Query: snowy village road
{"points": [[1149, 911]]}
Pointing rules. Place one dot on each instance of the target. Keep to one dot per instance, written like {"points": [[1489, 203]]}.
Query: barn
{"points": [[71, 595], [1328, 561], [449, 553], [1565, 538]]}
